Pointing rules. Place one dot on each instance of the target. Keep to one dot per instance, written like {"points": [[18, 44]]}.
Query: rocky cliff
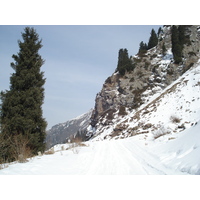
{"points": [[153, 72]]}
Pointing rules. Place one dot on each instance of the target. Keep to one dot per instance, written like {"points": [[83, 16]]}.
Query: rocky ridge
{"points": [[153, 72], [62, 132]]}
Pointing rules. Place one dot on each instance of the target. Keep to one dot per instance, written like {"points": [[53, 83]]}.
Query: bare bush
{"points": [[122, 111], [21, 150], [76, 143], [4, 165], [50, 151], [14, 148], [160, 132], [174, 119]]}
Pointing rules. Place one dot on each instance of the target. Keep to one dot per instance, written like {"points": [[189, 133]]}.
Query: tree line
{"points": [[153, 41], [124, 61], [178, 40]]}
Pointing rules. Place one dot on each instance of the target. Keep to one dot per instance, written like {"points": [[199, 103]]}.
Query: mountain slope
{"points": [[174, 109], [60, 133], [124, 98]]}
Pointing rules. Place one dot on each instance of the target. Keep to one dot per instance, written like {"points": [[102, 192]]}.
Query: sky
{"points": [[78, 59]]}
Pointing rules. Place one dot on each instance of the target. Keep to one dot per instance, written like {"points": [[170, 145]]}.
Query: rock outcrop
{"points": [[153, 71]]}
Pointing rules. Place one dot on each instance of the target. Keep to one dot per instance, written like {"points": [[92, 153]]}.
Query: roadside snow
{"points": [[120, 157]]}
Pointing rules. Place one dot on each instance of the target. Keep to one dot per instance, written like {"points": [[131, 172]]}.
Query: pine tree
{"points": [[142, 48], [181, 30], [177, 45], [164, 50], [124, 62], [159, 31], [153, 40], [22, 105]]}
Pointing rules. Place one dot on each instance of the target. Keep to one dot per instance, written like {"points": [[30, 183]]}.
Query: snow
{"points": [[168, 56], [183, 153], [128, 156]]}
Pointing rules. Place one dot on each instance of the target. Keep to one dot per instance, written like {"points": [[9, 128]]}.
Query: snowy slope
{"points": [[172, 110]]}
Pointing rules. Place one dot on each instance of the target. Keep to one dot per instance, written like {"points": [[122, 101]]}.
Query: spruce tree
{"points": [[124, 62], [153, 40], [159, 31], [177, 45], [142, 48], [22, 105], [164, 49], [181, 30]]}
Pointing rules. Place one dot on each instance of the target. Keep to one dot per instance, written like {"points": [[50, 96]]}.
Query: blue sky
{"points": [[78, 59]]}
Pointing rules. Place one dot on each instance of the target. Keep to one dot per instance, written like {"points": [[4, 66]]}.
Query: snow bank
{"points": [[183, 153]]}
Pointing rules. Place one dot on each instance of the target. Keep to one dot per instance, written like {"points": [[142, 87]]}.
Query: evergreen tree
{"points": [[22, 105], [164, 50], [159, 31], [177, 45], [142, 48], [153, 40], [124, 62], [181, 30]]}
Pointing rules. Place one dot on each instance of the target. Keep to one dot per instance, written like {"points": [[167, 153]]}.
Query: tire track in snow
{"points": [[150, 162], [112, 158]]}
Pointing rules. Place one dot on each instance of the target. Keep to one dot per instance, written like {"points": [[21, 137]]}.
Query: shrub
{"points": [[191, 53], [50, 151], [160, 132], [14, 148], [76, 142], [147, 64], [174, 119], [21, 150], [122, 110], [108, 80]]}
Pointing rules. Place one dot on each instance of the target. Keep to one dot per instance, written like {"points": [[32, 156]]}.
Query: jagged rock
{"points": [[153, 72]]}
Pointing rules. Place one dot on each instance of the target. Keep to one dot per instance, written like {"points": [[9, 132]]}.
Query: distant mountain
{"points": [[61, 132]]}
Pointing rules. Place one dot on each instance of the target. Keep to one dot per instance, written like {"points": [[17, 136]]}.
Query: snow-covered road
{"points": [[119, 157], [124, 157]]}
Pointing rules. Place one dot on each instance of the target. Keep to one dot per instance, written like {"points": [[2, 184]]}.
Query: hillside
{"points": [[126, 104], [62, 132], [173, 110]]}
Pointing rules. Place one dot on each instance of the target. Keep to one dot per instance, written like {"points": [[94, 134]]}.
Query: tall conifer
{"points": [[153, 40], [124, 62], [22, 105], [177, 45]]}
